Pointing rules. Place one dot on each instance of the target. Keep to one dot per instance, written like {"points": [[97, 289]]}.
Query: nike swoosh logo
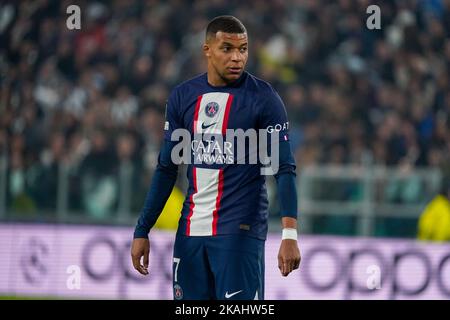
{"points": [[229, 295], [208, 125]]}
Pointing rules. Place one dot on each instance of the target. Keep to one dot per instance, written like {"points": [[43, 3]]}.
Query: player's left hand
{"points": [[288, 256]]}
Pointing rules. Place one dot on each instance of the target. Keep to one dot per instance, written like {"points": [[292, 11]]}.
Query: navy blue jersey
{"points": [[225, 198]]}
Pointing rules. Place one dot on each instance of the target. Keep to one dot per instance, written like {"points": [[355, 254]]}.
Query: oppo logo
{"points": [[403, 273]]}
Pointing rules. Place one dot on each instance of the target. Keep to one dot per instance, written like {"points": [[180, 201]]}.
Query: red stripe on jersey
{"points": [[197, 108], [218, 201], [227, 114], [194, 178], [192, 205]]}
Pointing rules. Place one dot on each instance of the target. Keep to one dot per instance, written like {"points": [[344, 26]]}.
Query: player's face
{"points": [[227, 56]]}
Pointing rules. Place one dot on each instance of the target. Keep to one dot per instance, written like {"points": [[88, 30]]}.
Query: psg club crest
{"points": [[178, 292], [211, 109]]}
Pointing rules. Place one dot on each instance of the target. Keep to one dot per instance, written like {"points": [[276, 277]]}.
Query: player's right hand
{"points": [[140, 248]]}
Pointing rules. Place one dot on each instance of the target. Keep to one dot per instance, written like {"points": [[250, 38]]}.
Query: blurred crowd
{"points": [[94, 98]]}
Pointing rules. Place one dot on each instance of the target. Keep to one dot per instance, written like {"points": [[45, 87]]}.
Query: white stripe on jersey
{"points": [[206, 202], [207, 181]]}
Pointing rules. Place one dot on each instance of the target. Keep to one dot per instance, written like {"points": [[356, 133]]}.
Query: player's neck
{"points": [[215, 80]]}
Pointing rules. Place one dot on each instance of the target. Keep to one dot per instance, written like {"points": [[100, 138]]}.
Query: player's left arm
{"points": [[274, 115], [289, 253]]}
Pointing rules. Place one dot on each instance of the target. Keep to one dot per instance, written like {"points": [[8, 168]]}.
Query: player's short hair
{"points": [[228, 24]]}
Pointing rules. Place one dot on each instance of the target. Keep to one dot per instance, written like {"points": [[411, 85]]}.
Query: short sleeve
{"points": [[172, 115], [273, 116]]}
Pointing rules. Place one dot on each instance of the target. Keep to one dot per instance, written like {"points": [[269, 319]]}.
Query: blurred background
{"points": [[82, 111]]}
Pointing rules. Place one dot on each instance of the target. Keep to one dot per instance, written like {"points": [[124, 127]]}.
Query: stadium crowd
{"points": [[94, 98]]}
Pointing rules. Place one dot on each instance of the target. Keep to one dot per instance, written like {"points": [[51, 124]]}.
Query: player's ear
{"points": [[206, 50]]}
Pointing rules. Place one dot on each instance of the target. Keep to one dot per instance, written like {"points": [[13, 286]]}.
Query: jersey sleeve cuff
{"points": [[140, 232]]}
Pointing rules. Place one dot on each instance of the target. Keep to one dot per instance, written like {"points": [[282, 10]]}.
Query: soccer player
{"points": [[219, 245]]}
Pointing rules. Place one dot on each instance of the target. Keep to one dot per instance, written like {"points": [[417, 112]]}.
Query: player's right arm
{"points": [[161, 187]]}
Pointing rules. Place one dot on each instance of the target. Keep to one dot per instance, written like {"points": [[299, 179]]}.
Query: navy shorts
{"points": [[222, 267]]}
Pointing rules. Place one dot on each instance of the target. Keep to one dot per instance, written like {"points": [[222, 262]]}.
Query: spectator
{"points": [[434, 223]]}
